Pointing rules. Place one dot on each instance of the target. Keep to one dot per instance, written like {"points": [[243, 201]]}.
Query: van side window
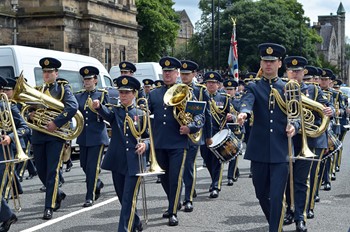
{"points": [[7, 72], [72, 77], [108, 81]]}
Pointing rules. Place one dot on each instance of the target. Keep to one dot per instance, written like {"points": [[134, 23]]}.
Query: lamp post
{"points": [[212, 31]]}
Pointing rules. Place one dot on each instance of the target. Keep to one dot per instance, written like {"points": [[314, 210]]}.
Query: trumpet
{"points": [[8, 124]]}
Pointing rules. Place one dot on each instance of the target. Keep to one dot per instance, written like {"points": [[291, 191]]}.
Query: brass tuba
{"points": [[177, 96], [47, 109]]}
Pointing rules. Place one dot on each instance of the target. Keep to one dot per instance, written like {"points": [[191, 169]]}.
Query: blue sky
{"points": [[312, 8]]}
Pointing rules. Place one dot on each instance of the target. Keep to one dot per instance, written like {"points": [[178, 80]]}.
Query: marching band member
{"points": [[147, 86], [170, 139], [7, 216], [267, 147], [188, 71], [93, 139], [48, 149], [220, 105], [301, 168], [124, 148], [230, 88]]}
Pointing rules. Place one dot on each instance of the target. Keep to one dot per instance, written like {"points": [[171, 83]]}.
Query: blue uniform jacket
{"points": [[95, 131], [166, 130], [62, 92], [268, 142], [121, 156], [315, 93], [223, 103]]}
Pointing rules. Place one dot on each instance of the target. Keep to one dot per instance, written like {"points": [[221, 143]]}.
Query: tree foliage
{"points": [[277, 21], [159, 28]]}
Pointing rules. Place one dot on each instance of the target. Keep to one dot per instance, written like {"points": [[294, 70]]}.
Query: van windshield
{"points": [[74, 78]]}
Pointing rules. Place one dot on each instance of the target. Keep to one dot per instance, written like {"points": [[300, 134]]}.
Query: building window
{"points": [[122, 54], [108, 55]]}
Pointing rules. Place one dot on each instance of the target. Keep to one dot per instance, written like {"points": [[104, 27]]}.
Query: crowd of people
{"points": [[290, 154]]}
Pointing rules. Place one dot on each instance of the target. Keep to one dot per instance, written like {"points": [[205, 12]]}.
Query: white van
{"points": [[14, 59], [145, 70]]}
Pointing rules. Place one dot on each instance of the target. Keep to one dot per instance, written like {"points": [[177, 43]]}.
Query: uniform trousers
{"points": [[269, 180], [172, 161], [314, 176], [232, 168], [48, 162], [127, 189], [90, 161], [214, 167], [189, 176], [6, 211]]}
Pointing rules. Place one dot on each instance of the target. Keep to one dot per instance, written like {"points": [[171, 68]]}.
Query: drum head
{"points": [[219, 137]]}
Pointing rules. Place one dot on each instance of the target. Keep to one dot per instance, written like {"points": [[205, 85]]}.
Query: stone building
{"points": [[185, 32], [104, 29], [332, 29]]}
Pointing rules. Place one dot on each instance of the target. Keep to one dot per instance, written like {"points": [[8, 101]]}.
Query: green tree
{"points": [[278, 21], [159, 28]]}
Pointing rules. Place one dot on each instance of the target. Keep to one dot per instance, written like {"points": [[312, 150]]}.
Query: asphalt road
{"points": [[236, 209]]}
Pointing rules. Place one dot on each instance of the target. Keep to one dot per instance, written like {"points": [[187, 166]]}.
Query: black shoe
{"points": [[98, 191], [288, 218], [166, 214], [300, 226], [5, 226], [327, 187], [88, 203], [250, 175], [48, 214], [69, 166], [31, 176], [333, 176], [323, 183], [230, 182], [159, 180], [214, 194], [58, 201], [43, 189], [337, 169], [179, 206], [173, 220], [138, 228], [21, 179], [310, 214], [317, 199], [194, 194], [188, 207]]}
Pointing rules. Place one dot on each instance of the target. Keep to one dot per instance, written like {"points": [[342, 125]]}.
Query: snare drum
{"points": [[225, 146]]}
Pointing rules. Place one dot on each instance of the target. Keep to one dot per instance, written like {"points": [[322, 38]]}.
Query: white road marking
{"points": [[53, 221]]}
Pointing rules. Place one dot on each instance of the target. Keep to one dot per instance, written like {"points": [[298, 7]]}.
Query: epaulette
{"points": [[200, 85], [13, 101], [225, 94], [64, 82], [284, 79], [81, 91], [158, 86], [110, 106], [102, 90]]}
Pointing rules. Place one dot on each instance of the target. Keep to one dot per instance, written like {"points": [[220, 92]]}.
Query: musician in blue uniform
{"points": [[188, 71], [267, 148], [230, 88], [48, 149], [93, 138], [301, 168], [220, 105], [158, 83], [122, 157], [147, 86], [7, 216], [170, 139]]}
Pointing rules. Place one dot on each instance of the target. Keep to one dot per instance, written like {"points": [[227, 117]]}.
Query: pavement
{"points": [[236, 208]]}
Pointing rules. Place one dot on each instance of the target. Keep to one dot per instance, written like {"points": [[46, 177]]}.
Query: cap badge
{"points": [[46, 62], [294, 62], [269, 50], [211, 75], [159, 84], [229, 83], [184, 65], [86, 71], [146, 82], [125, 81], [167, 63], [123, 65], [323, 72], [251, 76], [306, 71]]}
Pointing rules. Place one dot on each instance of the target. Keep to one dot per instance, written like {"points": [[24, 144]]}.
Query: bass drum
{"points": [[225, 146]]}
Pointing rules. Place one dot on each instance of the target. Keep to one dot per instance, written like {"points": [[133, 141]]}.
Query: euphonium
{"points": [[46, 109], [177, 96]]}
